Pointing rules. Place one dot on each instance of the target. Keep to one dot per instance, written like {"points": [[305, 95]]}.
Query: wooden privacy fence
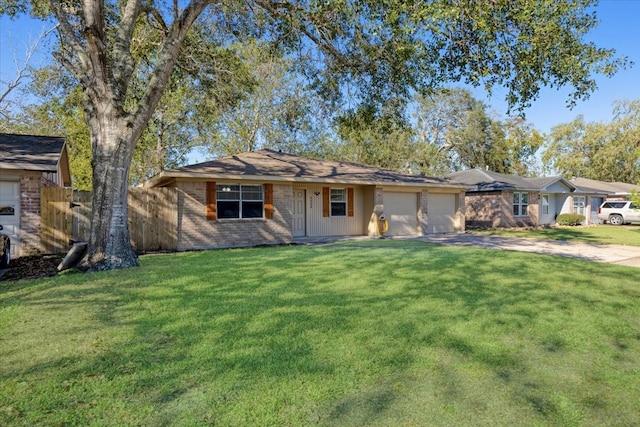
{"points": [[153, 218]]}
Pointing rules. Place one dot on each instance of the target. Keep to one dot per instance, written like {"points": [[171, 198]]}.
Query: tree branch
{"points": [[122, 45], [22, 71], [82, 72], [164, 66]]}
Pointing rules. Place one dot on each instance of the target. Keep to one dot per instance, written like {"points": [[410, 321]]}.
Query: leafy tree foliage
{"points": [[368, 51], [601, 151], [279, 112], [461, 132], [375, 139]]}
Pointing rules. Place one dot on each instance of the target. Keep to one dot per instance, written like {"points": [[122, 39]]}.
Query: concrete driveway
{"points": [[612, 254]]}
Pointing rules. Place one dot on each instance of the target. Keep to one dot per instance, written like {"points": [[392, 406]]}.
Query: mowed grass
{"points": [[326, 335], [603, 234]]}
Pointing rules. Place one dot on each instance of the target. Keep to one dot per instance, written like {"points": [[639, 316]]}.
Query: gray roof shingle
{"points": [[30, 152], [279, 166], [593, 186], [482, 180]]}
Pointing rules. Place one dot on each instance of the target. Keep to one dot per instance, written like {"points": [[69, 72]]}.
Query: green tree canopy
{"points": [[462, 130], [378, 139], [601, 151]]}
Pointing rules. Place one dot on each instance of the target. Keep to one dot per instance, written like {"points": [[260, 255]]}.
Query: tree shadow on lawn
{"points": [[319, 333]]}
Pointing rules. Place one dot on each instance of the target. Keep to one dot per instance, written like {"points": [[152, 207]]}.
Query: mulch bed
{"points": [[31, 267]]}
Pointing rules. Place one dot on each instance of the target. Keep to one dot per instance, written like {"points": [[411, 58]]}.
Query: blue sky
{"points": [[618, 29]]}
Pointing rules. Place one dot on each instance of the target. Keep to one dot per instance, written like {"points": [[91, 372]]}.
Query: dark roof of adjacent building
{"points": [[482, 180], [277, 166], [612, 188], [30, 152]]}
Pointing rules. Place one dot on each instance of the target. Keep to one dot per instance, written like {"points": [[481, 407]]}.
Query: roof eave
{"points": [[168, 176], [28, 166]]}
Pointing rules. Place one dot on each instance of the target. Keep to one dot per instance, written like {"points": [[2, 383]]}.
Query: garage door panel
{"points": [[10, 213], [441, 210], [401, 210]]}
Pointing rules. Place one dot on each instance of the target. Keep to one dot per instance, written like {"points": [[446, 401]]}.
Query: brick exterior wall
{"points": [[30, 219], [196, 232], [495, 210]]}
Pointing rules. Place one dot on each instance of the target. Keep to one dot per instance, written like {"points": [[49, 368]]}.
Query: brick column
{"points": [[30, 214]]}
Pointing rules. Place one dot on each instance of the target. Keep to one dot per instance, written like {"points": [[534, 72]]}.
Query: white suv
{"points": [[618, 212]]}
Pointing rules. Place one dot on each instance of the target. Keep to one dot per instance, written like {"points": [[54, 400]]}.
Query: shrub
{"points": [[570, 219]]}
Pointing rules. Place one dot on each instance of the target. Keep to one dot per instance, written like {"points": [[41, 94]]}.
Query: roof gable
{"points": [[278, 166], [30, 152]]}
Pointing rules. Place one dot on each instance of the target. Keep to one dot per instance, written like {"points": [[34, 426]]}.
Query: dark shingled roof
{"points": [[277, 166], [481, 180], [30, 152]]}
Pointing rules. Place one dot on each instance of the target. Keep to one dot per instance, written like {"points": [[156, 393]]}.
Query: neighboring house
{"points": [[28, 163], [596, 192], [269, 197], [498, 200]]}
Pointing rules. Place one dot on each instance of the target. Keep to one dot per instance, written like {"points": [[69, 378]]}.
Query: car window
{"points": [[633, 206], [614, 205]]}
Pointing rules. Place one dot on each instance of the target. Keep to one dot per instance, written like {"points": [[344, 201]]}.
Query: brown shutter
{"points": [[268, 201], [326, 203], [349, 201], [211, 201]]}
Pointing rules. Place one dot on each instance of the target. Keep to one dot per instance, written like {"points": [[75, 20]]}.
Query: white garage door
{"points": [[10, 213], [401, 210], [441, 209]]}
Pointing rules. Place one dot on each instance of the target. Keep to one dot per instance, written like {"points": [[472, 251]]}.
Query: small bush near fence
{"points": [[570, 219]]}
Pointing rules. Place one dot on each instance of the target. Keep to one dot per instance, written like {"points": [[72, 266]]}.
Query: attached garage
{"points": [[401, 210], [10, 213], [441, 210]]}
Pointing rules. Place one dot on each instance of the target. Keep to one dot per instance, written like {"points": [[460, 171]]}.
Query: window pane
{"points": [[251, 209], [578, 205], [227, 209], [338, 209], [525, 198], [228, 192], [6, 210], [516, 210], [516, 198], [252, 192], [338, 195]]}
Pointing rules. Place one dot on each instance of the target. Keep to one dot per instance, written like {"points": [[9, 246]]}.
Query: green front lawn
{"points": [[605, 234], [326, 335]]}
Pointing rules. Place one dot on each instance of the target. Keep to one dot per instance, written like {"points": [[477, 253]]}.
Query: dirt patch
{"points": [[31, 267]]}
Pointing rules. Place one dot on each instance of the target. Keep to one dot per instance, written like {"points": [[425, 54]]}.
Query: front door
{"points": [[299, 213], [10, 214]]}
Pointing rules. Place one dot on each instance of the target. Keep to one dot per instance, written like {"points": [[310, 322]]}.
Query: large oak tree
{"points": [[369, 51]]}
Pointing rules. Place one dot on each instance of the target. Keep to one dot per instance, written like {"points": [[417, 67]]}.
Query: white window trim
{"points": [[220, 188], [520, 204], [583, 207], [345, 201], [542, 204]]}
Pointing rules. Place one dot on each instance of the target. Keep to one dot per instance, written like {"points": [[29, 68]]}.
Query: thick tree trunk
{"points": [[112, 144]]}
